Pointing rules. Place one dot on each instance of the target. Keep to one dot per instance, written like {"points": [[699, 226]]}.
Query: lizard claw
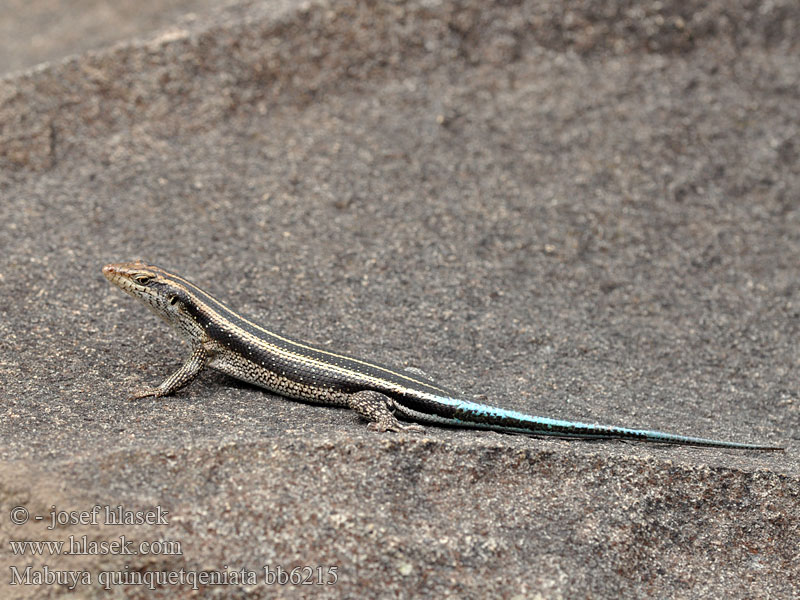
{"points": [[410, 427], [397, 426], [143, 392]]}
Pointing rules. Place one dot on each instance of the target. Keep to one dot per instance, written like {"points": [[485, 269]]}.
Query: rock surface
{"points": [[579, 209]]}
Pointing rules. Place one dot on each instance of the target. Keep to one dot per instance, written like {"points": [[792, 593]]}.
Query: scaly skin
{"points": [[229, 342]]}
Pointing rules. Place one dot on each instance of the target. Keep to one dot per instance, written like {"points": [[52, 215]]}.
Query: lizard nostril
{"points": [[109, 271]]}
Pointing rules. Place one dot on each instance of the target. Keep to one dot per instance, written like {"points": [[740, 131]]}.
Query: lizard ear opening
{"points": [[173, 300]]}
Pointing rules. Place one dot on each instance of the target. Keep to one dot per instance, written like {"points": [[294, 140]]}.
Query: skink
{"points": [[225, 340]]}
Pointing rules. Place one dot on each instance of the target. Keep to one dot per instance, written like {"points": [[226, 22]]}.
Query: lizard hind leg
{"points": [[418, 372], [375, 408]]}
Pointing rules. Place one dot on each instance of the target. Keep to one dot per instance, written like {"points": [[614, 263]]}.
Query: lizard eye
{"points": [[143, 279]]}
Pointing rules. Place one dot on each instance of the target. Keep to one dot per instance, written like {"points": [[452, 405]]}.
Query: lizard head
{"points": [[160, 291]]}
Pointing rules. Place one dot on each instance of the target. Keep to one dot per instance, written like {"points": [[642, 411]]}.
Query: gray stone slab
{"points": [[583, 210], [37, 31]]}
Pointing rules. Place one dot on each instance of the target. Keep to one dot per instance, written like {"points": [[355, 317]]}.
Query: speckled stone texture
{"points": [[586, 210]]}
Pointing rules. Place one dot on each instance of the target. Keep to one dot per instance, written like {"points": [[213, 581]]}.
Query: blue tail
{"points": [[463, 413]]}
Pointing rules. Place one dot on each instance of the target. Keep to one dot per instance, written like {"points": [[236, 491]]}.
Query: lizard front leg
{"points": [[183, 376], [375, 408]]}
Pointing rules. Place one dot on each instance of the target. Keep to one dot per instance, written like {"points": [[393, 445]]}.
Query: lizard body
{"points": [[232, 343]]}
